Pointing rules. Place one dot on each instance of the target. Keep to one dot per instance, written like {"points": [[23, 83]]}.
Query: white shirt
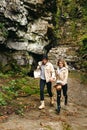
{"points": [[42, 75]]}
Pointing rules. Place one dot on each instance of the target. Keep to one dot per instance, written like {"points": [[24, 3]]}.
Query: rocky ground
{"points": [[72, 117]]}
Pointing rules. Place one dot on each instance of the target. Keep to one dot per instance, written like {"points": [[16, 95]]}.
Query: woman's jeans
{"points": [[42, 86], [64, 88]]}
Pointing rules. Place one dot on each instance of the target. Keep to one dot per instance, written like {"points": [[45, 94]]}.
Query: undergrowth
{"points": [[14, 87]]}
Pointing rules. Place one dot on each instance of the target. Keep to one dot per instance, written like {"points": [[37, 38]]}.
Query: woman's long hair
{"points": [[63, 62]]}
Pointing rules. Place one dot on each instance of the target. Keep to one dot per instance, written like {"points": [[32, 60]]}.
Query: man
{"points": [[47, 76]]}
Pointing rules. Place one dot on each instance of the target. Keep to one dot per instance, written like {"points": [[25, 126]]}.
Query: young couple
{"points": [[48, 76]]}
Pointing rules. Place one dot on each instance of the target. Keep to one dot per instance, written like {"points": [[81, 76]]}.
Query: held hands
{"points": [[52, 79]]}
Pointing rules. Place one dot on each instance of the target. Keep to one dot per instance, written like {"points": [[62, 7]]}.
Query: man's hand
{"points": [[52, 79]]}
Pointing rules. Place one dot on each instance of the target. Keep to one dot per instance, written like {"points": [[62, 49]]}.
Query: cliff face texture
{"points": [[71, 33], [25, 27], [29, 28]]}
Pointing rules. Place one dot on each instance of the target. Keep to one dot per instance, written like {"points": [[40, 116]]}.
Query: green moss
{"points": [[2, 99], [3, 30], [73, 28], [81, 76], [66, 126], [48, 127], [75, 13], [57, 21]]}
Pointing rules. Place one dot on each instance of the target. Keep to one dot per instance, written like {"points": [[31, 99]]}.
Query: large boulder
{"points": [[24, 28], [34, 2], [34, 39], [15, 11], [66, 52]]}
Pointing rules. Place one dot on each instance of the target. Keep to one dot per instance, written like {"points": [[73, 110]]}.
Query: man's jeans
{"points": [[42, 86]]}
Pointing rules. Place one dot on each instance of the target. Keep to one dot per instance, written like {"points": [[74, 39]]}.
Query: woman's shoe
{"points": [[65, 100], [58, 109]]}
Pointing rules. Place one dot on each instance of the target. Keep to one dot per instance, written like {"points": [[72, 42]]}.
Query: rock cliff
{"points": [[29, 28], [70, 29], [25, 28]]}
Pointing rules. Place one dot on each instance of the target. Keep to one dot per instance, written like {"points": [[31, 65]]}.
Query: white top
{"points": [[62, 75], [42, 75]]}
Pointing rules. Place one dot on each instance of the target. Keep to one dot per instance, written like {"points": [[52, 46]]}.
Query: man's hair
{"points": [[45, 57]]}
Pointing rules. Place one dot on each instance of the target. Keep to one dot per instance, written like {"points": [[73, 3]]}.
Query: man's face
{"points": [[44, 61]]}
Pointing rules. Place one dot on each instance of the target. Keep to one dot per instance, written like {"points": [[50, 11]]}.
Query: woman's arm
{"points": [[65, 77], [53, 77]]}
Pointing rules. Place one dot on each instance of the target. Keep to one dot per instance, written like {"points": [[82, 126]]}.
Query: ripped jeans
{"points": [[64, 88]]}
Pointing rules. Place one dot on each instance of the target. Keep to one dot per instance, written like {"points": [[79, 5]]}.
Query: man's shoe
{"points": [[52, 101], [42, 105]]}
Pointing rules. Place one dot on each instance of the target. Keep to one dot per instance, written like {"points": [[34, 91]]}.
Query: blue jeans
{"points": [[42, 86]]}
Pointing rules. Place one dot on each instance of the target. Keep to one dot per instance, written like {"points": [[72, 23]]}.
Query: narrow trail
{"points": [[72, 117]]}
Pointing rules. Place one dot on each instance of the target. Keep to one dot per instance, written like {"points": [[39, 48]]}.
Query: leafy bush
{"points": [[83, 49], [2, 100], [3, 30], [83, 53]]}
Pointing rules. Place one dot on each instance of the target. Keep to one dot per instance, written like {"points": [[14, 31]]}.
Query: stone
{"points": [[66, 52], [3, 59], [35, 37], [39, 27], [22, 58], [27, 23], [34, 1], [15, 12], [17, 45]]}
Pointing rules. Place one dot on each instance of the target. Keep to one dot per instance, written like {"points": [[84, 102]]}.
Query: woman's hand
{"points": [[52, 79]]}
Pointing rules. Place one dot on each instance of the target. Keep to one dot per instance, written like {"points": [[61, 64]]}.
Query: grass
{"points": [[14, 87], [81, 76], [48, 127], [66, 126], [3, 30]]}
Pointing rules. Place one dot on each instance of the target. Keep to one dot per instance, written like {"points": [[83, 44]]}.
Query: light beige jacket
{"points": [[62, 75], [49, 71]]}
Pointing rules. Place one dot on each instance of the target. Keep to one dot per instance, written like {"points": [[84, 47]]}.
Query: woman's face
{"points": [[60, 64]]}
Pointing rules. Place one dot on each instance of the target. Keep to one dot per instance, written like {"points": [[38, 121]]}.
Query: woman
{"points": [[61, 83]]}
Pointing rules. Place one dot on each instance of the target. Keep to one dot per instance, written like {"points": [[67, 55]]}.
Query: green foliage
{"points": [[73, 10], [30, 91], [17, 86], [74, 29], [83, 53], [5, 76], [83, 49], [82, 76], [20, 110], [57, 15], [2, 99], [11, 68], [66, 126], [4, 31]]}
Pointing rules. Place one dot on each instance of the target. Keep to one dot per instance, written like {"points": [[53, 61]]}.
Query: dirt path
{"points": [[72, 117]]}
